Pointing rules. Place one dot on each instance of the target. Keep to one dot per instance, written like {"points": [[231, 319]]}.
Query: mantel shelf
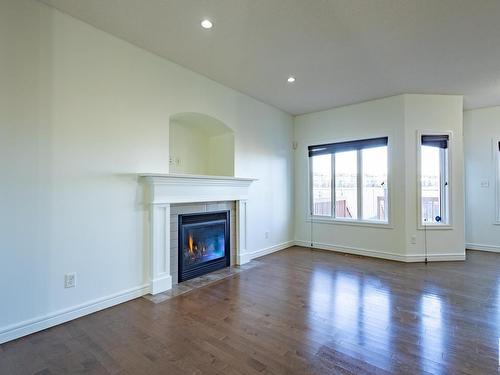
{"points": [[176, 188], [174, 177]]}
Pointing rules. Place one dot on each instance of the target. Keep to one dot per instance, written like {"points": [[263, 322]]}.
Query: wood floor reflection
{"points": [[298, 312]]}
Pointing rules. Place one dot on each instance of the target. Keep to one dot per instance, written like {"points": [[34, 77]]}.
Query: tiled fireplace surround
{"points": [[169, 195], [191, 208]]}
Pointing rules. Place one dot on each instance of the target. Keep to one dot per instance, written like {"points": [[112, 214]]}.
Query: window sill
{"points": [[355, 223], [435, 227]]}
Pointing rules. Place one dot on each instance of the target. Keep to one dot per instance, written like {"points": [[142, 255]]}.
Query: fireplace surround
{"points": [[164, 190]]}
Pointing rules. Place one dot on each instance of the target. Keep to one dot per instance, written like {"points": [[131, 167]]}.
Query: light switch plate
{"points": [[485, 184], [70, 280]]}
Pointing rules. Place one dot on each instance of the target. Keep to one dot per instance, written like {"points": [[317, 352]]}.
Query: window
{"points": [[375, 183], [434, 176], [346, 184], [353, 173], [322, 185]]}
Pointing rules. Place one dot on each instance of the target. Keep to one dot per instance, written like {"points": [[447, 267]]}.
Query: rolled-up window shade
{"points": [[440, 140], [332, 148]]}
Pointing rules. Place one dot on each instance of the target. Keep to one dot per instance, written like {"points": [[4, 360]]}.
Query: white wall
{"points": [[384, 117], [194, 151], [439, 113], [81, 113], [221, 155], [481, 134], [399, 118], [188, 150]]}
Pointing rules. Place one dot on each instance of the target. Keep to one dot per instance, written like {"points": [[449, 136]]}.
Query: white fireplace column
{"points": [[161, 279], [241, 231], [166, 189]]}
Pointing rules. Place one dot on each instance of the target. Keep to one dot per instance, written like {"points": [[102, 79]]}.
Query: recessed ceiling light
{"points": [[207, 24], [291, 79]]}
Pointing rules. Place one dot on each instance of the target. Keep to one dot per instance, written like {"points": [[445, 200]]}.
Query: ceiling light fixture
{"points": [[207, 24], [291, 79]]}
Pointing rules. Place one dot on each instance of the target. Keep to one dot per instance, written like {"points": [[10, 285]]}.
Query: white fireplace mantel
{"points": [[165, 189]]}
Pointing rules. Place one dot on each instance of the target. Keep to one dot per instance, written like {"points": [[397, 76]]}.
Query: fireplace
{"points": [[204, 244]]}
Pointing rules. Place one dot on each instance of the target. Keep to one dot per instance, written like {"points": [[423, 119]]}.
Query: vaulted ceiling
{"points": [[340, 51]]}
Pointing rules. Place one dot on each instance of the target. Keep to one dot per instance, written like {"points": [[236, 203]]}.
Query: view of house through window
{"points": [[359, 170], [322, 185], [434, 179], [375, 183], [346, 184]]}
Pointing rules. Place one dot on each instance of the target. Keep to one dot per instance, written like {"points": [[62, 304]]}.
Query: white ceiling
{"points": [[341, 51]]}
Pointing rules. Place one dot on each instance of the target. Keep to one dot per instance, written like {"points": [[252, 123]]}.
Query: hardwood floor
{"points": [[298, 312]]}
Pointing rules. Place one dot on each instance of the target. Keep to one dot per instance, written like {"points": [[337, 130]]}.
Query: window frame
{"points": [[358, 190], [446, 191], [346, 221], [311, 195], [496, 158]]}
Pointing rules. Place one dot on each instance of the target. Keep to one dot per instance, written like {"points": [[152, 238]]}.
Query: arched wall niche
{"points": [[201, 145]]}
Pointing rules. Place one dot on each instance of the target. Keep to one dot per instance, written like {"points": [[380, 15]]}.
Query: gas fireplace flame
{"points": [[190, 244]]}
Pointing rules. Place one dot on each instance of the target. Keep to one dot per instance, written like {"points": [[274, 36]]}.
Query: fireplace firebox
{"points": [[204, 244]]}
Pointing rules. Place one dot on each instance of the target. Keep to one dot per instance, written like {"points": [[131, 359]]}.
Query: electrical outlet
{"points": [[414, 239], [178, 161], [171, 160], [266, 235], [485, 184], [70, 280]]}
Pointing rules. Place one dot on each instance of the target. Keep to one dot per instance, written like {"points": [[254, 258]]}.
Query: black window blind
{"points": [[440, 140], [332, 148]]}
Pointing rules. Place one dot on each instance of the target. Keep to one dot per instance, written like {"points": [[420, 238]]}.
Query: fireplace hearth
{"points": [[204, 244]]}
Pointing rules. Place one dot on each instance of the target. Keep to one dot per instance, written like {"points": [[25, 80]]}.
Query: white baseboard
{"points": [[30, 326], [435, 257], [161, 284], [268, 250], [382, 254], [352, 250], [476, 246], [242, 259]]}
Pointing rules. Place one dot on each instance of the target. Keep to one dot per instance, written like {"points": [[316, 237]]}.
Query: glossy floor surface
{"points": [[298, 312]]}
